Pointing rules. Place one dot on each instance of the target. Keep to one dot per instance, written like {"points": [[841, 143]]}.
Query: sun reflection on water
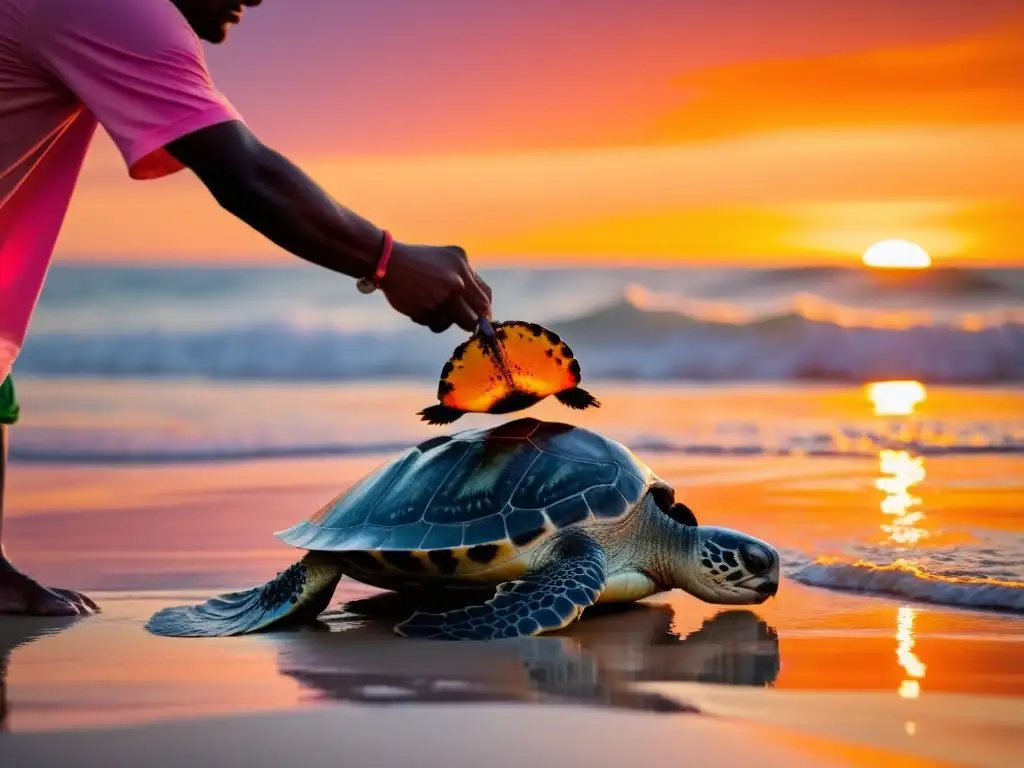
{"points": [[914, 668], [900, 470]]}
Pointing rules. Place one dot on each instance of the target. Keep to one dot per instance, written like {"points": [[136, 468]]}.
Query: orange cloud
{"points": [[835, 231], [975, 80]]}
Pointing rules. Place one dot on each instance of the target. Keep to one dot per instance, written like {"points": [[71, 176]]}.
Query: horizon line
{"points": [[536, 263]]}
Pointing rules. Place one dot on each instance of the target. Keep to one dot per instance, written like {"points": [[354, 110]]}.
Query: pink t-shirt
{"points": [[133, 66]]}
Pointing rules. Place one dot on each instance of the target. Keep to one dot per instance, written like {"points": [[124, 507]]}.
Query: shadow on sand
{"points": [[352, 655]]}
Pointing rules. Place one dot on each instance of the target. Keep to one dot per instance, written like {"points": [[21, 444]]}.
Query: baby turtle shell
{"points": [[519, 366]]}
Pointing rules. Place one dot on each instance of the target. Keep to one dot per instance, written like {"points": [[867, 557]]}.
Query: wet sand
{"points": [[639, 681], [457, 736], [810, 678]]}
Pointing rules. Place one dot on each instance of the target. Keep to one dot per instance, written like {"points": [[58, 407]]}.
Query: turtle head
{"points": [[728, 567], [717, 565]]}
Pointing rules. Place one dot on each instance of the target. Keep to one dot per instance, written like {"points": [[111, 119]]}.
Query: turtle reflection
{"points": [[16, 632], [353, 655]]}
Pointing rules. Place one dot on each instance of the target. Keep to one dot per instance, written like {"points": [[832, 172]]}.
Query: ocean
{"points": [[304, 324], [914, 375]]}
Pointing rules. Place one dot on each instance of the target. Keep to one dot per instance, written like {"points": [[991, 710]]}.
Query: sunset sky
{"points": [[599, 130]]}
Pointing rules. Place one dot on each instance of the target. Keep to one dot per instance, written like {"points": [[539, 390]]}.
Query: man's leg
{"points": [[18, 592]]}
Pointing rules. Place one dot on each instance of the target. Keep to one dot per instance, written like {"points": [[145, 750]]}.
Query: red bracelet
{"points": [[371, 284]]}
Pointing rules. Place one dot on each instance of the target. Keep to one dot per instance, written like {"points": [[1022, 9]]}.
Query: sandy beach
{"points": [[813, 677], [827, 691]]}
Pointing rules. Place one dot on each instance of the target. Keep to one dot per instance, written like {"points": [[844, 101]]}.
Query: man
{"points": [[136, 67]]}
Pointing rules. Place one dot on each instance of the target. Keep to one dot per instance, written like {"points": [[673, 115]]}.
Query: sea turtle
{"points": [[528, 523], [507, 367]]}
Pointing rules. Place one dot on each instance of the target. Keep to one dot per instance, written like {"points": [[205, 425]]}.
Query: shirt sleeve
{"points": [[137, 66]]}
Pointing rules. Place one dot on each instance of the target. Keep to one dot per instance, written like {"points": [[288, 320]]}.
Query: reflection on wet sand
{"points": [[16, 632], [593, 662], [914, 668], [900, 471]]}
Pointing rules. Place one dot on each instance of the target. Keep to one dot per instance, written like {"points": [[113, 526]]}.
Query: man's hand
{"points": [[435, 287]]}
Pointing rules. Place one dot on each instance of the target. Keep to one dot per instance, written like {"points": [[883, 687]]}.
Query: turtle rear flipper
{"points": [[577, 398], [439, 414], [297, 595], [546, 600]]}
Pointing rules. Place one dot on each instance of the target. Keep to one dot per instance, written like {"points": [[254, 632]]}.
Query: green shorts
{"points": [[8, 402]]}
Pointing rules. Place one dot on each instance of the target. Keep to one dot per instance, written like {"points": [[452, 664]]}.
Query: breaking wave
{"points": [[639, 337], [912, 582]]}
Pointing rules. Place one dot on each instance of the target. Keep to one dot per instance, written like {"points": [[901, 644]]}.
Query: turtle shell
{"points": [[513, 484], [526, 363]]}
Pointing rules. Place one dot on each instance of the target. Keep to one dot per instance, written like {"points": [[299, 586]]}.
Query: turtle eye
{"points": [[756, 560]]}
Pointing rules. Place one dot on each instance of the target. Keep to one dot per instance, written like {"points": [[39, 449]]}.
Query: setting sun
{"points": [[896, 398], [896, 254]]}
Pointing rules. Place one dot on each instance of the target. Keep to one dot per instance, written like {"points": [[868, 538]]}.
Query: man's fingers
{"points": [[440, 324], [480, 282], [487, 290], [456, 311], [437, 320], [465, 315], [476, 292]]}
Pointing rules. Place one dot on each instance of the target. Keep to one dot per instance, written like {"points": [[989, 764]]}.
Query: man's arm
{"points": [[270, 194], [434, 286]]}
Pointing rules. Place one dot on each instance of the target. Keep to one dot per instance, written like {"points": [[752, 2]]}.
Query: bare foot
{"points": [[20, 594]]}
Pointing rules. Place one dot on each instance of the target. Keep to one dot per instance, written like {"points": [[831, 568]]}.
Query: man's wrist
{"points": [[373, 282], [366, 250]]}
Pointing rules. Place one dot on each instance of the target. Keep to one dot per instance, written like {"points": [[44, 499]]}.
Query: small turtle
{"points": [[528, 523], [505, 368]]}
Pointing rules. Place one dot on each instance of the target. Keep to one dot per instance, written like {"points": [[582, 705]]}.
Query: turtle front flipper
{"points": [[548, 599], [296, 595], [439, 414]]}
